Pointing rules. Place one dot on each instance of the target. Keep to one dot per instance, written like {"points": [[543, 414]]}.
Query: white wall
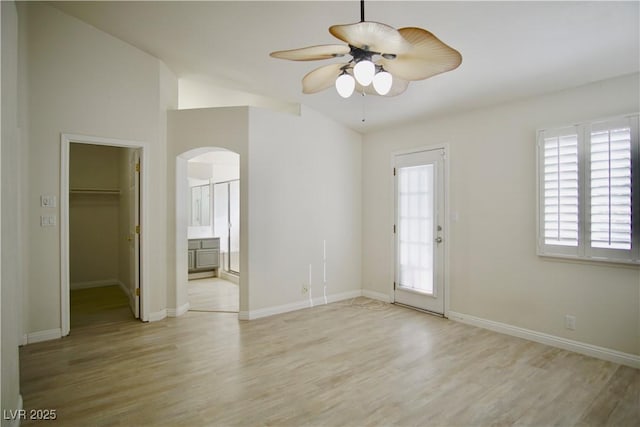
{"points": [[300, 180], [83, 81], [201, 92], [217, 166], [304, 189], [495, 273], [10, 155]]}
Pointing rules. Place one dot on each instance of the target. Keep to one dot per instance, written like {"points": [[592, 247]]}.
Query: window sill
{"points": [[635, 265]]}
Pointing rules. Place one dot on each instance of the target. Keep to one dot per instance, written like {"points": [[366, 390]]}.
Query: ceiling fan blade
{"points": [[312, 53], [321, 78], [397, 87], [372, 36], [427, 57]]}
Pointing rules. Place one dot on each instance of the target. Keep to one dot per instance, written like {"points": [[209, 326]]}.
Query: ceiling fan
{"points": [[383, 60]]}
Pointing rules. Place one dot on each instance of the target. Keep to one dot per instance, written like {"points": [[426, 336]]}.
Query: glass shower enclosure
{"points": [[226, 208]]}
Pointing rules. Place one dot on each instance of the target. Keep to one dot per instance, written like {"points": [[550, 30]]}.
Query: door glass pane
{"points": [[415, 217], [234, 229]]}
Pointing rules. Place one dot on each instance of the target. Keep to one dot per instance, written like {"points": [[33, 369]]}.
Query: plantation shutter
{"points": [[610, 186], [559, 187], [588, 207]]}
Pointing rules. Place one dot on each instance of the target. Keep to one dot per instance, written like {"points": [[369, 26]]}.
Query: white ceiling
{"points": [[510, 50]]}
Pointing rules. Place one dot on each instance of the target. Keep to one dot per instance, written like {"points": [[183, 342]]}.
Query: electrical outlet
{"points": [[570, 322], [47, 221], [304, 289]]}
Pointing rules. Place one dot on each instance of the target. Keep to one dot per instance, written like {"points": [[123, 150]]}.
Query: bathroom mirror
{"points": [[200, 206]]}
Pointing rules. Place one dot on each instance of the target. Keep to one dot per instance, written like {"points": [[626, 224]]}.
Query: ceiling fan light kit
{"points": [[383, 60], [382, 82], [345, 85], [364, 71]]}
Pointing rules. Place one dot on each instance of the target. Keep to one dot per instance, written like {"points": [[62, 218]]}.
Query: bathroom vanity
{"points": [[204, 255]]}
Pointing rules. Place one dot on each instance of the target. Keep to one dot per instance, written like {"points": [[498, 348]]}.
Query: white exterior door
{"points": [[419, 230]]}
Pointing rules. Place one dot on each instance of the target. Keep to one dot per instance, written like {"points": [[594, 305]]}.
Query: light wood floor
{"points": [[354, 363], [103, 304], [213, 294]]}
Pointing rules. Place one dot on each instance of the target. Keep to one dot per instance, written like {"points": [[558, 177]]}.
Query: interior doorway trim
{"points": [[65, 141], [447, 218], [181, 229]]}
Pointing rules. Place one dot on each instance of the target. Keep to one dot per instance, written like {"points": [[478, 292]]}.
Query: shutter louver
{"points": [[610, 194], [561, 190]]}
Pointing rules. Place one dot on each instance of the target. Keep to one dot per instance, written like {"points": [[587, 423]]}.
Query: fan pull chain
{"points": [[363, 107]]}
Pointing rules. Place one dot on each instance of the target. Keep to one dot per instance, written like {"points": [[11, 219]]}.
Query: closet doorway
{"points": [[214, 231], [101, 206]]}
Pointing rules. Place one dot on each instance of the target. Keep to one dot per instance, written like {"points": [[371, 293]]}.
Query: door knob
{"points": [[438, 239]]}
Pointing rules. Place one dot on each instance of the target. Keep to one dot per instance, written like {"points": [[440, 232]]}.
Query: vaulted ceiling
{"points": [[510, 50]]}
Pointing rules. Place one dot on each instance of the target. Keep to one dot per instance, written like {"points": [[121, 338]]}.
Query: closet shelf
{"points": [[105, 191]]}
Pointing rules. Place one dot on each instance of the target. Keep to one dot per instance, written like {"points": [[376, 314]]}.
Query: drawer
{"points": [[210, 243], [194, 244], [207, 258]]}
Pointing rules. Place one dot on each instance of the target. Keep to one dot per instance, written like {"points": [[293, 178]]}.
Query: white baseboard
{"points": [[157, 315], [279, 309], [38, 336], [202, 275], [603, 353], [376, 295], [125, 289], [263, 312], [94, 284], [338, 297], [233, 278], [175, 312]]}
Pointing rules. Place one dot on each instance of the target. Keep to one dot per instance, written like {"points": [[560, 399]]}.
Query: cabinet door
{"points": [[192, 260], [207, 258]]}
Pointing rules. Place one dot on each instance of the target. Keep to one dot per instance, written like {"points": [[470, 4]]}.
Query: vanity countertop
{"points": [[203, 233]]}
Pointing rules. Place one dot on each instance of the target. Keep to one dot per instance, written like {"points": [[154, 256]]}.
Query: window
{"points": [[589, 191]]}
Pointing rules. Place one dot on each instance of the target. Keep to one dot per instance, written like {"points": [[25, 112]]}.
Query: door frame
{"points": [[65, 142], [136, 170], [445, 217]]}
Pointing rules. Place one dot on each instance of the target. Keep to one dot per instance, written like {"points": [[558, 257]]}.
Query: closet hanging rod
{"points": [[107, 191]]}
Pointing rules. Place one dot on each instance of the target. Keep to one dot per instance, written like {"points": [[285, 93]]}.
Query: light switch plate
{"points": [[48, 201]]}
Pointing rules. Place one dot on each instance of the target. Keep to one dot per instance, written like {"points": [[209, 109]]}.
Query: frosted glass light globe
{"points": [[345, 84], [382, 82], [364, 72]]}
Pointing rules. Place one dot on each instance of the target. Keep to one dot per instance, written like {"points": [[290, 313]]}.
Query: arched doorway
{"points": [[208, 228]]}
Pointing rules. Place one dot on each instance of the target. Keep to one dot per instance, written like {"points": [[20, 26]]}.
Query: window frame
{"points": [[584, 250]]}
